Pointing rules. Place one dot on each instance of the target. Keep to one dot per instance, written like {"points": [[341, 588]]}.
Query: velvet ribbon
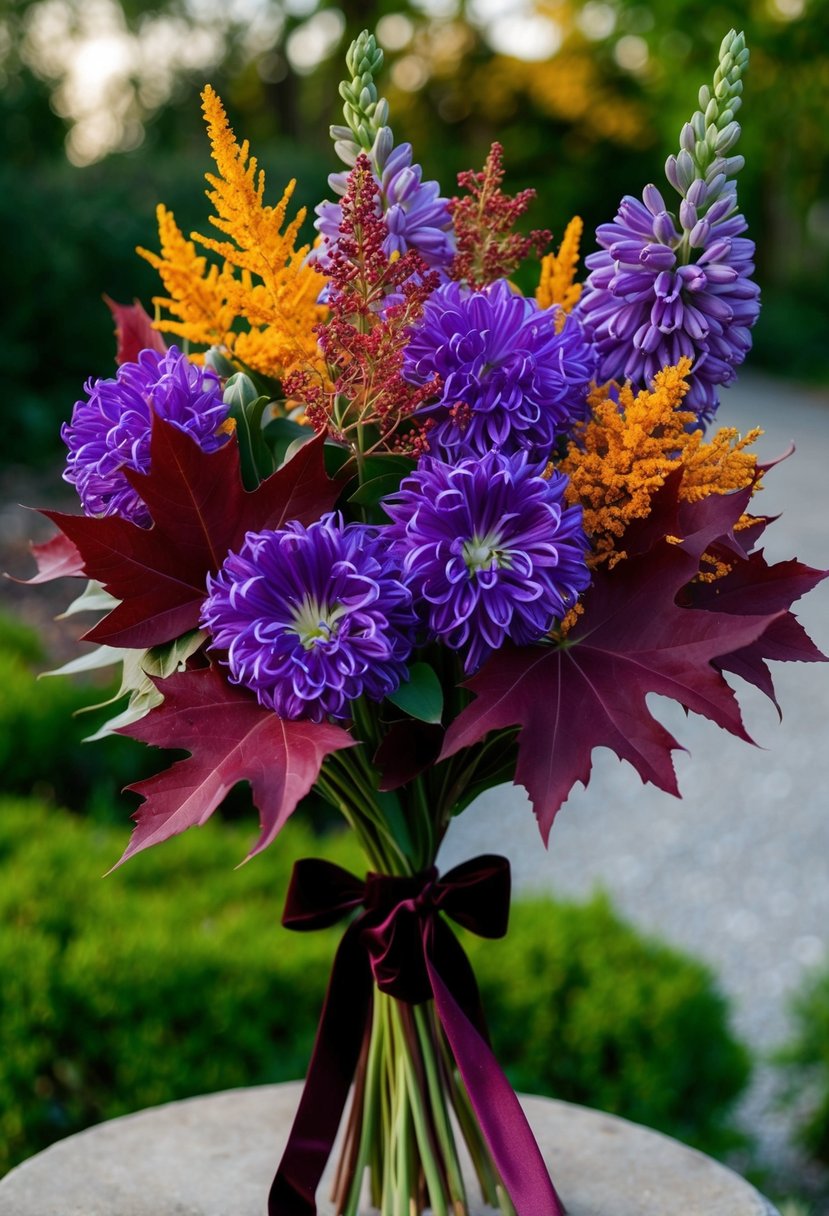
{"points": [[401, 943]]}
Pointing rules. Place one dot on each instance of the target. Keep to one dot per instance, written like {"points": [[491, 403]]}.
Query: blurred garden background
{"points": [[172, 977]]}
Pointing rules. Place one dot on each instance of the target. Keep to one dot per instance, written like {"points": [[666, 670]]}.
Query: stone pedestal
{"points": [[215, 1156]]}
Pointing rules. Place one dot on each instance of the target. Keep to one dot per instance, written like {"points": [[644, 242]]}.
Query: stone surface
{"points": [[215, 1156]]}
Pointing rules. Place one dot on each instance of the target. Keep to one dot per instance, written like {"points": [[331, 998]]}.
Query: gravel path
{"points": [[737, 872]]}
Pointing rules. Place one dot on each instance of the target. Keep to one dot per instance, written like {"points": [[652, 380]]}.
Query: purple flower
{"points": [[415, 214], [312, 618], [511, 378], [110, 431], [657, 292], [488, 550]]}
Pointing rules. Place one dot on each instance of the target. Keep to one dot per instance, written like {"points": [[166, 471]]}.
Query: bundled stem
{"points": [[409, 1101], [400, 1128]]}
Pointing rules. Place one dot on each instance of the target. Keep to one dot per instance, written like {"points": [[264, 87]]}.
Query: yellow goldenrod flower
{"points": [[622, 456], [262, 303], [558, 270]]}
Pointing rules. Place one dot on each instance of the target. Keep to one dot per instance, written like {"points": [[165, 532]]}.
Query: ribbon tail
{"points": [[504, 1125], [334, 1059]]}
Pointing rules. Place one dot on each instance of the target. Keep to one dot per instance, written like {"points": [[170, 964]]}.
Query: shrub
{"points": [[173, 977], [42, 731], [805, 1063]]}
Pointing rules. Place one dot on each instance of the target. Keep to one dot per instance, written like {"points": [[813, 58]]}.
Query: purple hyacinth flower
{"points": [[489, 550], [110, 430], [312, 618], [416, 215], [657, 292], [510, 377]]}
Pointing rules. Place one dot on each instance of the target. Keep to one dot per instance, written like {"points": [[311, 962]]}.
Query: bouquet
{"points": [[381, 526]]}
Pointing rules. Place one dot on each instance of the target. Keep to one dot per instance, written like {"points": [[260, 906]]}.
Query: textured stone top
{"points": [[215, 1156]]}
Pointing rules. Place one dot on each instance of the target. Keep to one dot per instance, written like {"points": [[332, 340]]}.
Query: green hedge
{"points": [[805, 1063], [172, 977], [42, 731]]}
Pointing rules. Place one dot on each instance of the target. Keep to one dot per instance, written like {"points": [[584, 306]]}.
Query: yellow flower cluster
{"points": [[264, 281], [622, 456], [558, 271]]}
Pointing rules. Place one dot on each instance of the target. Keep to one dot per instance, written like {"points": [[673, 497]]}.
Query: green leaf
{"points": [[217, 360], [246, 407], [336, 456], [92, 599], [371, 492], [280, 434], [93, 660], [138, 666], [162, 661], [379, 466], [422, 696]]}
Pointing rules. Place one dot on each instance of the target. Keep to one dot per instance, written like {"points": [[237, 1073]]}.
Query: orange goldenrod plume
{"points": [[558, 270], [261, 304], [621, 457], [197, 292]]}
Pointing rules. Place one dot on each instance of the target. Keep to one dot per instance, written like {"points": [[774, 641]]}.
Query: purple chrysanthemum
{"points": [[312, 618], [489, 550], [656, 293], [110, 430], [510, 377], [416, 215]]}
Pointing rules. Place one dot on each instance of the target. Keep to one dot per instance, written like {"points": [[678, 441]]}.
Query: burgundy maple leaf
{"points": [[200, 512], [632, 639], [231, 738], [753, 585], [134, 331]]}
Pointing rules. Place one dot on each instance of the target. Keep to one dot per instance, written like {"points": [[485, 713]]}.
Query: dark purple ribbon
{"points": [[400, 943]]}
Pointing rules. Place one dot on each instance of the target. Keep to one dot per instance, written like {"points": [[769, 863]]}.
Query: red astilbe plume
{"points": [[487, 247], [374, 298]]}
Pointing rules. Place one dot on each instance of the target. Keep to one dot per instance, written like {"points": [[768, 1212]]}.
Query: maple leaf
{"points": [[200, 512], [133, 331], [752, 583], [57, 557], [632, 639], [231, 738]]}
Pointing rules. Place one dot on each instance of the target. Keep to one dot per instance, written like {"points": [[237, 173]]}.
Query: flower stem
{"points": [[443, 1129]]}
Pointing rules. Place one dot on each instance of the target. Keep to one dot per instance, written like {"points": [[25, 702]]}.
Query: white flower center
{"points": [[314, 622], [482, 552]]}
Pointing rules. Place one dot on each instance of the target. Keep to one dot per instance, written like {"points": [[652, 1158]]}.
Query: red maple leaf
{"points": [[57, 557], [200, 512], [632, 639], [231, 738], [133, 331], [752, 584]]}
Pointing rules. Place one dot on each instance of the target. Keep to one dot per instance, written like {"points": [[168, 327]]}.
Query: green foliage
{"points": [[172, 977], [169, 978], [805, 1061], [74, 232], [585, 1009], [42, 732]]}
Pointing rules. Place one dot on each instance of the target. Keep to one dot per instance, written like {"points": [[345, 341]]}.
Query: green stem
{"points": [[371, 1113], [443, 1128], [488, 1179], [403, 1181], [434, 1181]]}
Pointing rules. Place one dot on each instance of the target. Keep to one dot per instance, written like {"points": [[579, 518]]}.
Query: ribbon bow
{"points": [[401, 943]]}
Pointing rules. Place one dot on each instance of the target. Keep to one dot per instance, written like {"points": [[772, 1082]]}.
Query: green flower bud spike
{"points": [[366, 114], [707, 140]]}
